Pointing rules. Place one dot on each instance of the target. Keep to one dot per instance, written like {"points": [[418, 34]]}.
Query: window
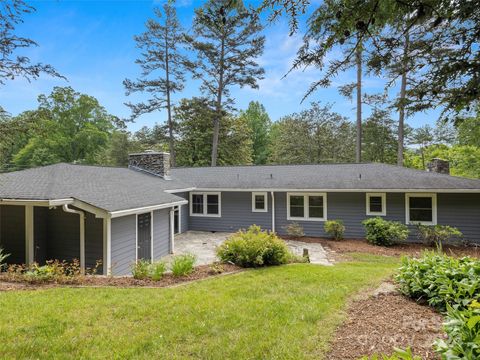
{"points": [[421, 209], [303, 206], [259, 202], [376, 204], [205, 204]]}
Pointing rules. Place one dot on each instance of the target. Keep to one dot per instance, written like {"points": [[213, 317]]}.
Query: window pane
{"points": [[296, 206], [421, 209], [376, 204], [197, 204], [315, 206], [212, 204], [259, 202], [420, 202]]}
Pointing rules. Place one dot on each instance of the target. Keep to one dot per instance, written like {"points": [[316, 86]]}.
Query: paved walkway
{"points": [[203, 245]]}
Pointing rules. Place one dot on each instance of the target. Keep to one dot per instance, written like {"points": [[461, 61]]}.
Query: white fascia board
{"points": [[174, 191], [119, 213], [343, 190]]}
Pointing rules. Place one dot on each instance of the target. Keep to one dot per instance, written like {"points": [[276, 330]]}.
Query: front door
{"points": [[144, 236]]}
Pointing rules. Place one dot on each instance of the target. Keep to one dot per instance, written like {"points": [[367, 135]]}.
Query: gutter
{"points": [[119, 213]]}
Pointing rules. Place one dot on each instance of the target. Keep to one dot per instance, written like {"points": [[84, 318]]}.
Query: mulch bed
{"points": [[379, 323], [7, 282], [338, 249]]}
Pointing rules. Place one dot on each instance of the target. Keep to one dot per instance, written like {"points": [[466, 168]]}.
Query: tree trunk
{"points": [[401, 104], [358, 157], [218, 106], [171, 143]]}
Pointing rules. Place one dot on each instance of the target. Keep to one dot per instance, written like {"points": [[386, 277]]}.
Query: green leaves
{"points": [[383, 232]]}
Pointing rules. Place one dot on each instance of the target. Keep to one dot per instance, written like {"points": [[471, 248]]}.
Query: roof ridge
{"points": [[277, 165]]}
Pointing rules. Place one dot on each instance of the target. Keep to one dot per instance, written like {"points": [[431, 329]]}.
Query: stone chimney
{"points": [[151, 162], [439, 166]]}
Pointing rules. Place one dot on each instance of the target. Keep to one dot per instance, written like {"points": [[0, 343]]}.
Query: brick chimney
{"points": [[151, 162], [439, 166]]}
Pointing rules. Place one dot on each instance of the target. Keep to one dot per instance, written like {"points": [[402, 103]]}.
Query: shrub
{"points": [[334, 228], [463, 330], [3, 256], [383, 232], [295, 230], [141, 270], [182, 265], [157, 270], [440, 279], [437, 234], [253, 248]]}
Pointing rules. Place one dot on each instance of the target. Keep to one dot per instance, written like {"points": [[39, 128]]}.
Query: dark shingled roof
{"points": [[107, 188], [322, 176]]}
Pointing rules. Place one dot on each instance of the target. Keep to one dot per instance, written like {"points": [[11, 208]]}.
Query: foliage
{"points": [[379, 142], [440, 279], [194, 129], [157, 270], [12, 64], [161, 53], [227, 42], [253, 248], [334, 228], [3, 257], [383, 232], [77, 126], [259, 124], [463, 330], [141, 269], [203, 314], [182, 265], [53, 271], [399, 354], [437, 234], [312, 136], [294, 230], [116, 150]]}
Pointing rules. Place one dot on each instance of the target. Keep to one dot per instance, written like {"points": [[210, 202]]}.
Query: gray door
{"points": [[144, 236]]}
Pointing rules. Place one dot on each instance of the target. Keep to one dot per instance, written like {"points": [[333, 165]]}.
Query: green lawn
{"points": [[287, 312]]}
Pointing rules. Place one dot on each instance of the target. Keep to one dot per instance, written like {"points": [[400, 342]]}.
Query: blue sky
{"points": [[91, 43]]}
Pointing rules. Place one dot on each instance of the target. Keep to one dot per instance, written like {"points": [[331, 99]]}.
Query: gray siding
{"points": [[184, 213], [12, 232], [123, 244], [459, 210], [161, 233], [236, 214]]}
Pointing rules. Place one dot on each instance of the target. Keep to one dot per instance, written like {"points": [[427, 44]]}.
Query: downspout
{"points": [[82, 234], [273, 211]]}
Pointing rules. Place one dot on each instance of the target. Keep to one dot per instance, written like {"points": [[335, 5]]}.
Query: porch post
{"points": [[273, 211], [172, 230], [107, 246], [29, 235]]}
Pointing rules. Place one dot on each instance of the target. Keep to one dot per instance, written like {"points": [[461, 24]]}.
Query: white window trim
{"points": [[384, 204], [434, 208], [205, 193], [306, 207], [265, 196]]}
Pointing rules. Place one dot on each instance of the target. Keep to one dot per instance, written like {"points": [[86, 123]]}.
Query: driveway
{"points": [[203, 245]]}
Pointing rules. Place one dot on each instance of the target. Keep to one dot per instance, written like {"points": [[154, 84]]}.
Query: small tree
{"points": [[437, 235], [334, 228]]}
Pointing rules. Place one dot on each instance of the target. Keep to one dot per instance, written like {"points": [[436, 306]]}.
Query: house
{"points": [[119, 215]]}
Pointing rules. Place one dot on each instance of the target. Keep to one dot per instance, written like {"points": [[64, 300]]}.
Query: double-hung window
{"points": [[259, 202], [205, 204], [307, 206], [376, 204], [421, 208]]}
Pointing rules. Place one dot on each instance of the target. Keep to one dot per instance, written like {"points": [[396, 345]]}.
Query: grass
{"points": [[285, 312]]}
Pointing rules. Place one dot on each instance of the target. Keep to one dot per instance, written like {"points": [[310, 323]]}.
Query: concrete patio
{"points": [[203, 245]]}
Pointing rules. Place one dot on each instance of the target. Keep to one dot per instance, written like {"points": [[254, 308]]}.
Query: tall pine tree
{"points": [[162, 64], [227, 41]]}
